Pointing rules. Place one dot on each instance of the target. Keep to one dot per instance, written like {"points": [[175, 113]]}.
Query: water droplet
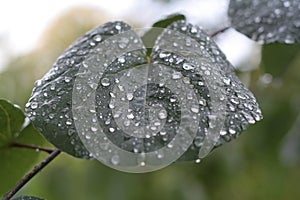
{"points": [[286, 4], [97, 38], [227, 81], [232, 131], [130, 116], [162, 133], [34, 105], [176, 75], [105, 82], [222, 132], [164, 55], [129, 96], [67, 79], [52, 87], [111, 129], [115, 160], [38, 83], [193, 30], [198, 141], [187, 66], [195, 109], [162, 114], [121, 60], [69, 122], [235, 101], [202, 102], [94, 129]]}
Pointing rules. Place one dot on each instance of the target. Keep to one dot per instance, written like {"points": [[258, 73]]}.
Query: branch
{"points": [[31, 174], [29, 146], [219, 31]]}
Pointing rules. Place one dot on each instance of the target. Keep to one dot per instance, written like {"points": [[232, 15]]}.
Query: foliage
{"points": [[247, 165]]}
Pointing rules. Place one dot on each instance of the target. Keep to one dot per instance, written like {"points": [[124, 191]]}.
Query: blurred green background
{"points": [[263, 163]]}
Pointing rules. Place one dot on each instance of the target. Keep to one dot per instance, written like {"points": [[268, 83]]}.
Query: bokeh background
{"points": [[263, 163]]}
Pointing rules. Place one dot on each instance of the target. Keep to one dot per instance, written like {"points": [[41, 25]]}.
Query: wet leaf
{"points": [[267, 21], [27, 198], [15, 162], [11, 121], [126, 108]]}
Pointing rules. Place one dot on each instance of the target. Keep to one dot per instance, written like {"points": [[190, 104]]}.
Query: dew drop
{"points": [[121, 60], [130, 116], [34, 105], [97, 38], [115, 160], [187, 66], [232, 131], [195, 109], [67, 79], [162, 114], [176, 75], [94, 129], [129, 96], [163, 55], [193, 30], [105, 82], [227, 81], [69, 122], [111, 129]]}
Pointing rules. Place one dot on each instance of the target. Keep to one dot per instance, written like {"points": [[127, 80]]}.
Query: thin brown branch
{"points": [[29, 146], [219, 31], [31, 174]]}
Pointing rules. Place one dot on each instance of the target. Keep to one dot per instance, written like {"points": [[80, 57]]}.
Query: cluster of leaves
{"points": [[277, 23]]}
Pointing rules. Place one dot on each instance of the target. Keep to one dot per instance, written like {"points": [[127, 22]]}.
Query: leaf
{"points": [[11, 121], [15, 162], [27, 198], [278, 58], [108, 99], [150, 36], [226, 106], [267, 21]]}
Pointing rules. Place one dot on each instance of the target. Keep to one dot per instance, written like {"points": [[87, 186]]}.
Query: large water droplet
{"points": [[105, 82]]}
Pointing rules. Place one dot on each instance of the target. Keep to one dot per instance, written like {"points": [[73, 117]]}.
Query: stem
{"points": [[219, 31], [31, 174], [29, 146]]}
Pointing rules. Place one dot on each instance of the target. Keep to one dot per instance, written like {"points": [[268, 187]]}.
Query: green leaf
{"points": [[150, 36], [27, 198], [267, 21], [16, 162], [104, 94], [277, 58], [11, 121]]}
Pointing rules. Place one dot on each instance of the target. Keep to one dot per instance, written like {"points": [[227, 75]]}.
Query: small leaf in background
{"points": [[27, 198], [278, 58], [267, 21], [11, 121], [17, 161]]}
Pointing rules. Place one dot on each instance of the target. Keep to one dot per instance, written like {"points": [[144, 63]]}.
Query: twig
{"points": [[29, 146], [31, 174], [219, 31]]}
